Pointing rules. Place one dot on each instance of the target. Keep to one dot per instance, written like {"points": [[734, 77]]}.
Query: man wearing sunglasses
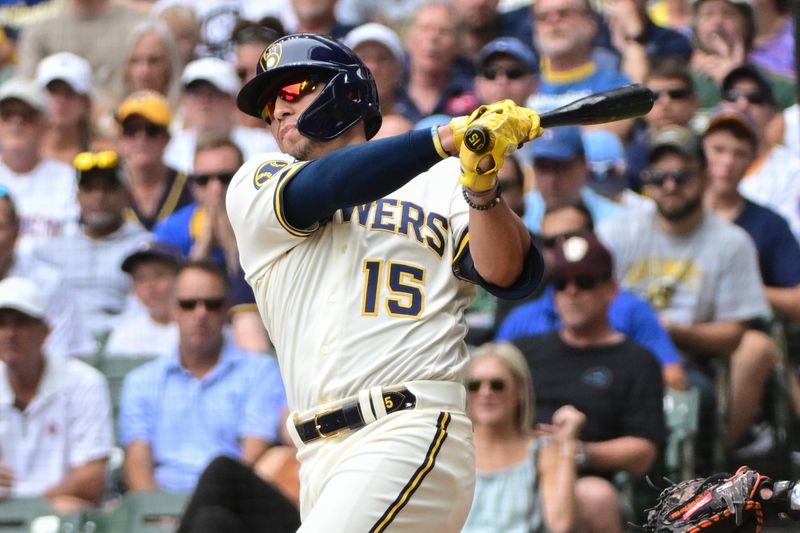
{"points": [[590, 365], [207, 398], [506, 69], [699, 271], [361, 255], [675, 105], [202, 230], [775, 180], [43, 188]]}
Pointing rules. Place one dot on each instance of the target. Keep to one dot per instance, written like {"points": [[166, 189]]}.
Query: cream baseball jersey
{"points": [[369, 297]]}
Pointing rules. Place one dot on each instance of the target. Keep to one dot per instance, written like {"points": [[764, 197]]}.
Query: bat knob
{"points": [[477, 139]]}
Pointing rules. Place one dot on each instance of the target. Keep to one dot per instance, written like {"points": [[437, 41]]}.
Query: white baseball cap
{"points": [[66, 67], [25, 90], [23, 295], [378, 33], [219, 73]]}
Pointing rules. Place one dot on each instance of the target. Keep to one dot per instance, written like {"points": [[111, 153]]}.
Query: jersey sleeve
{"points": [[255, 207]]}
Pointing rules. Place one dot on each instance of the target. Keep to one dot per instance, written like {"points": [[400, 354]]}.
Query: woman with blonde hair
{"points": [[152, 62], [524, 483]]}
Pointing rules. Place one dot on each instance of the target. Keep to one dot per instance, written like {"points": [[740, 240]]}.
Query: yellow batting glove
{"points": [[499, 129]]}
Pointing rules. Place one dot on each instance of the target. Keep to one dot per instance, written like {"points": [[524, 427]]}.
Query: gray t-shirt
{"points": [[709, 275]]}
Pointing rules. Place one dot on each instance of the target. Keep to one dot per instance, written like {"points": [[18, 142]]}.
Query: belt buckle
{"points": [[319, 427]]}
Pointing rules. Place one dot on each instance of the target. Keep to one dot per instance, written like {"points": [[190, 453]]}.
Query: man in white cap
{"points": [[67, 78], [383, 53], [56, 434], [43, 188], [210, 89]]}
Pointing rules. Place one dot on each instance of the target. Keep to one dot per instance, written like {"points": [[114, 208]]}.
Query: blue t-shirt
{"points": [[778, 250], [628, 314]]}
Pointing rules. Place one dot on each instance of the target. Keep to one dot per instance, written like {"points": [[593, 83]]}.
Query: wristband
{"points": [[437, 143], [480, 207]]}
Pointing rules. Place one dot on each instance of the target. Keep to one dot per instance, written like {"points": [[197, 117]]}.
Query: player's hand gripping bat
{"points": [[607, 106]]}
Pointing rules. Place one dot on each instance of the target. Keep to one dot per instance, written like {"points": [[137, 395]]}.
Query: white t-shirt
{"points": [[775, 183], [66, 425], [179, 153], [136, 334], [46, 200]]}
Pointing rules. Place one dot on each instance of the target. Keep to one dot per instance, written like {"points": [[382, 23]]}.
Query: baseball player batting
{"points": [[363, 257]]}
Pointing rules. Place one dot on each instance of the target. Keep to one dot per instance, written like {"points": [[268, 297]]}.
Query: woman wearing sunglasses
{"points": [[524, 483]]}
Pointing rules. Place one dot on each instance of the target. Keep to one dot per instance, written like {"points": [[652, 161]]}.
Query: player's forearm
{"points": [[632, 454], [785, 301], [499, 244], [356, 175], [707, 337]]}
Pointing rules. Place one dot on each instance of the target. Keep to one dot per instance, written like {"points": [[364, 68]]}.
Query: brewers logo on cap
{"points": [[271, 56]]}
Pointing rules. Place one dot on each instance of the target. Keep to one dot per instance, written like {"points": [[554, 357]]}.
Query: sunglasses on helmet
{"points": [[291, 92]]}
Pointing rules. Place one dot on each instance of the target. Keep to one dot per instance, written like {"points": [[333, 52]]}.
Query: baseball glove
{"points": [[720, 503], [508, 126]]}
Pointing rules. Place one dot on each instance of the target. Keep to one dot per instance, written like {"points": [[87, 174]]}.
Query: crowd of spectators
{"points": [[671, 240]]}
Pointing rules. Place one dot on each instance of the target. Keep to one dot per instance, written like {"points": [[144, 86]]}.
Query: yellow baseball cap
{"points": [[150, 105]]}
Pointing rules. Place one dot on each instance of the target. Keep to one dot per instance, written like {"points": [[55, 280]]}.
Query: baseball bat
{"points": [[606, 106]]}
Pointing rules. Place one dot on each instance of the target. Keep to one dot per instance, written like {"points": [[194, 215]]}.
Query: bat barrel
{"points": [[608, 106]]}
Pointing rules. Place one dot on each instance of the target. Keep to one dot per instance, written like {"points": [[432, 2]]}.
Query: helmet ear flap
{"points": [[356, 96]]}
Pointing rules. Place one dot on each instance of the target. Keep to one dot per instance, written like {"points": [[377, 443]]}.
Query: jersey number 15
{"points": [[405, 283]]}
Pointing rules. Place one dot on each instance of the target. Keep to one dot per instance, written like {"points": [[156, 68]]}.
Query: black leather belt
{"points": [[327, 424]]}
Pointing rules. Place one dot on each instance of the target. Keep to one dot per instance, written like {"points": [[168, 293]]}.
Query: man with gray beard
{"points": [[89, 260]]}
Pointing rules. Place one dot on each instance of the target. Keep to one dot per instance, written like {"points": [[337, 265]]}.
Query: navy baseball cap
{"points": [[509, 46], [749, 72], [152, 250], [562, 144]]}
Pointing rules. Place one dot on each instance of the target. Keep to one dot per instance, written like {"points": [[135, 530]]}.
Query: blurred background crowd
{"points": [[662, 341]]}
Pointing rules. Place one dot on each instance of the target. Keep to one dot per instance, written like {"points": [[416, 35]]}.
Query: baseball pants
{"points": [[409, 471]]}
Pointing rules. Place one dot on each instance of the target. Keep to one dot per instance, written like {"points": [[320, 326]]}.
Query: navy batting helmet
{"points": [[349, 95]]}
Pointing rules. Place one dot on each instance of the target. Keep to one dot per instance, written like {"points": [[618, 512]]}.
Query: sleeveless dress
{"points": [[508, 500]]}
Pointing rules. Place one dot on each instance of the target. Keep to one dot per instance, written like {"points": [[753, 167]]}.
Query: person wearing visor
{"points": [[363, 256]]}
